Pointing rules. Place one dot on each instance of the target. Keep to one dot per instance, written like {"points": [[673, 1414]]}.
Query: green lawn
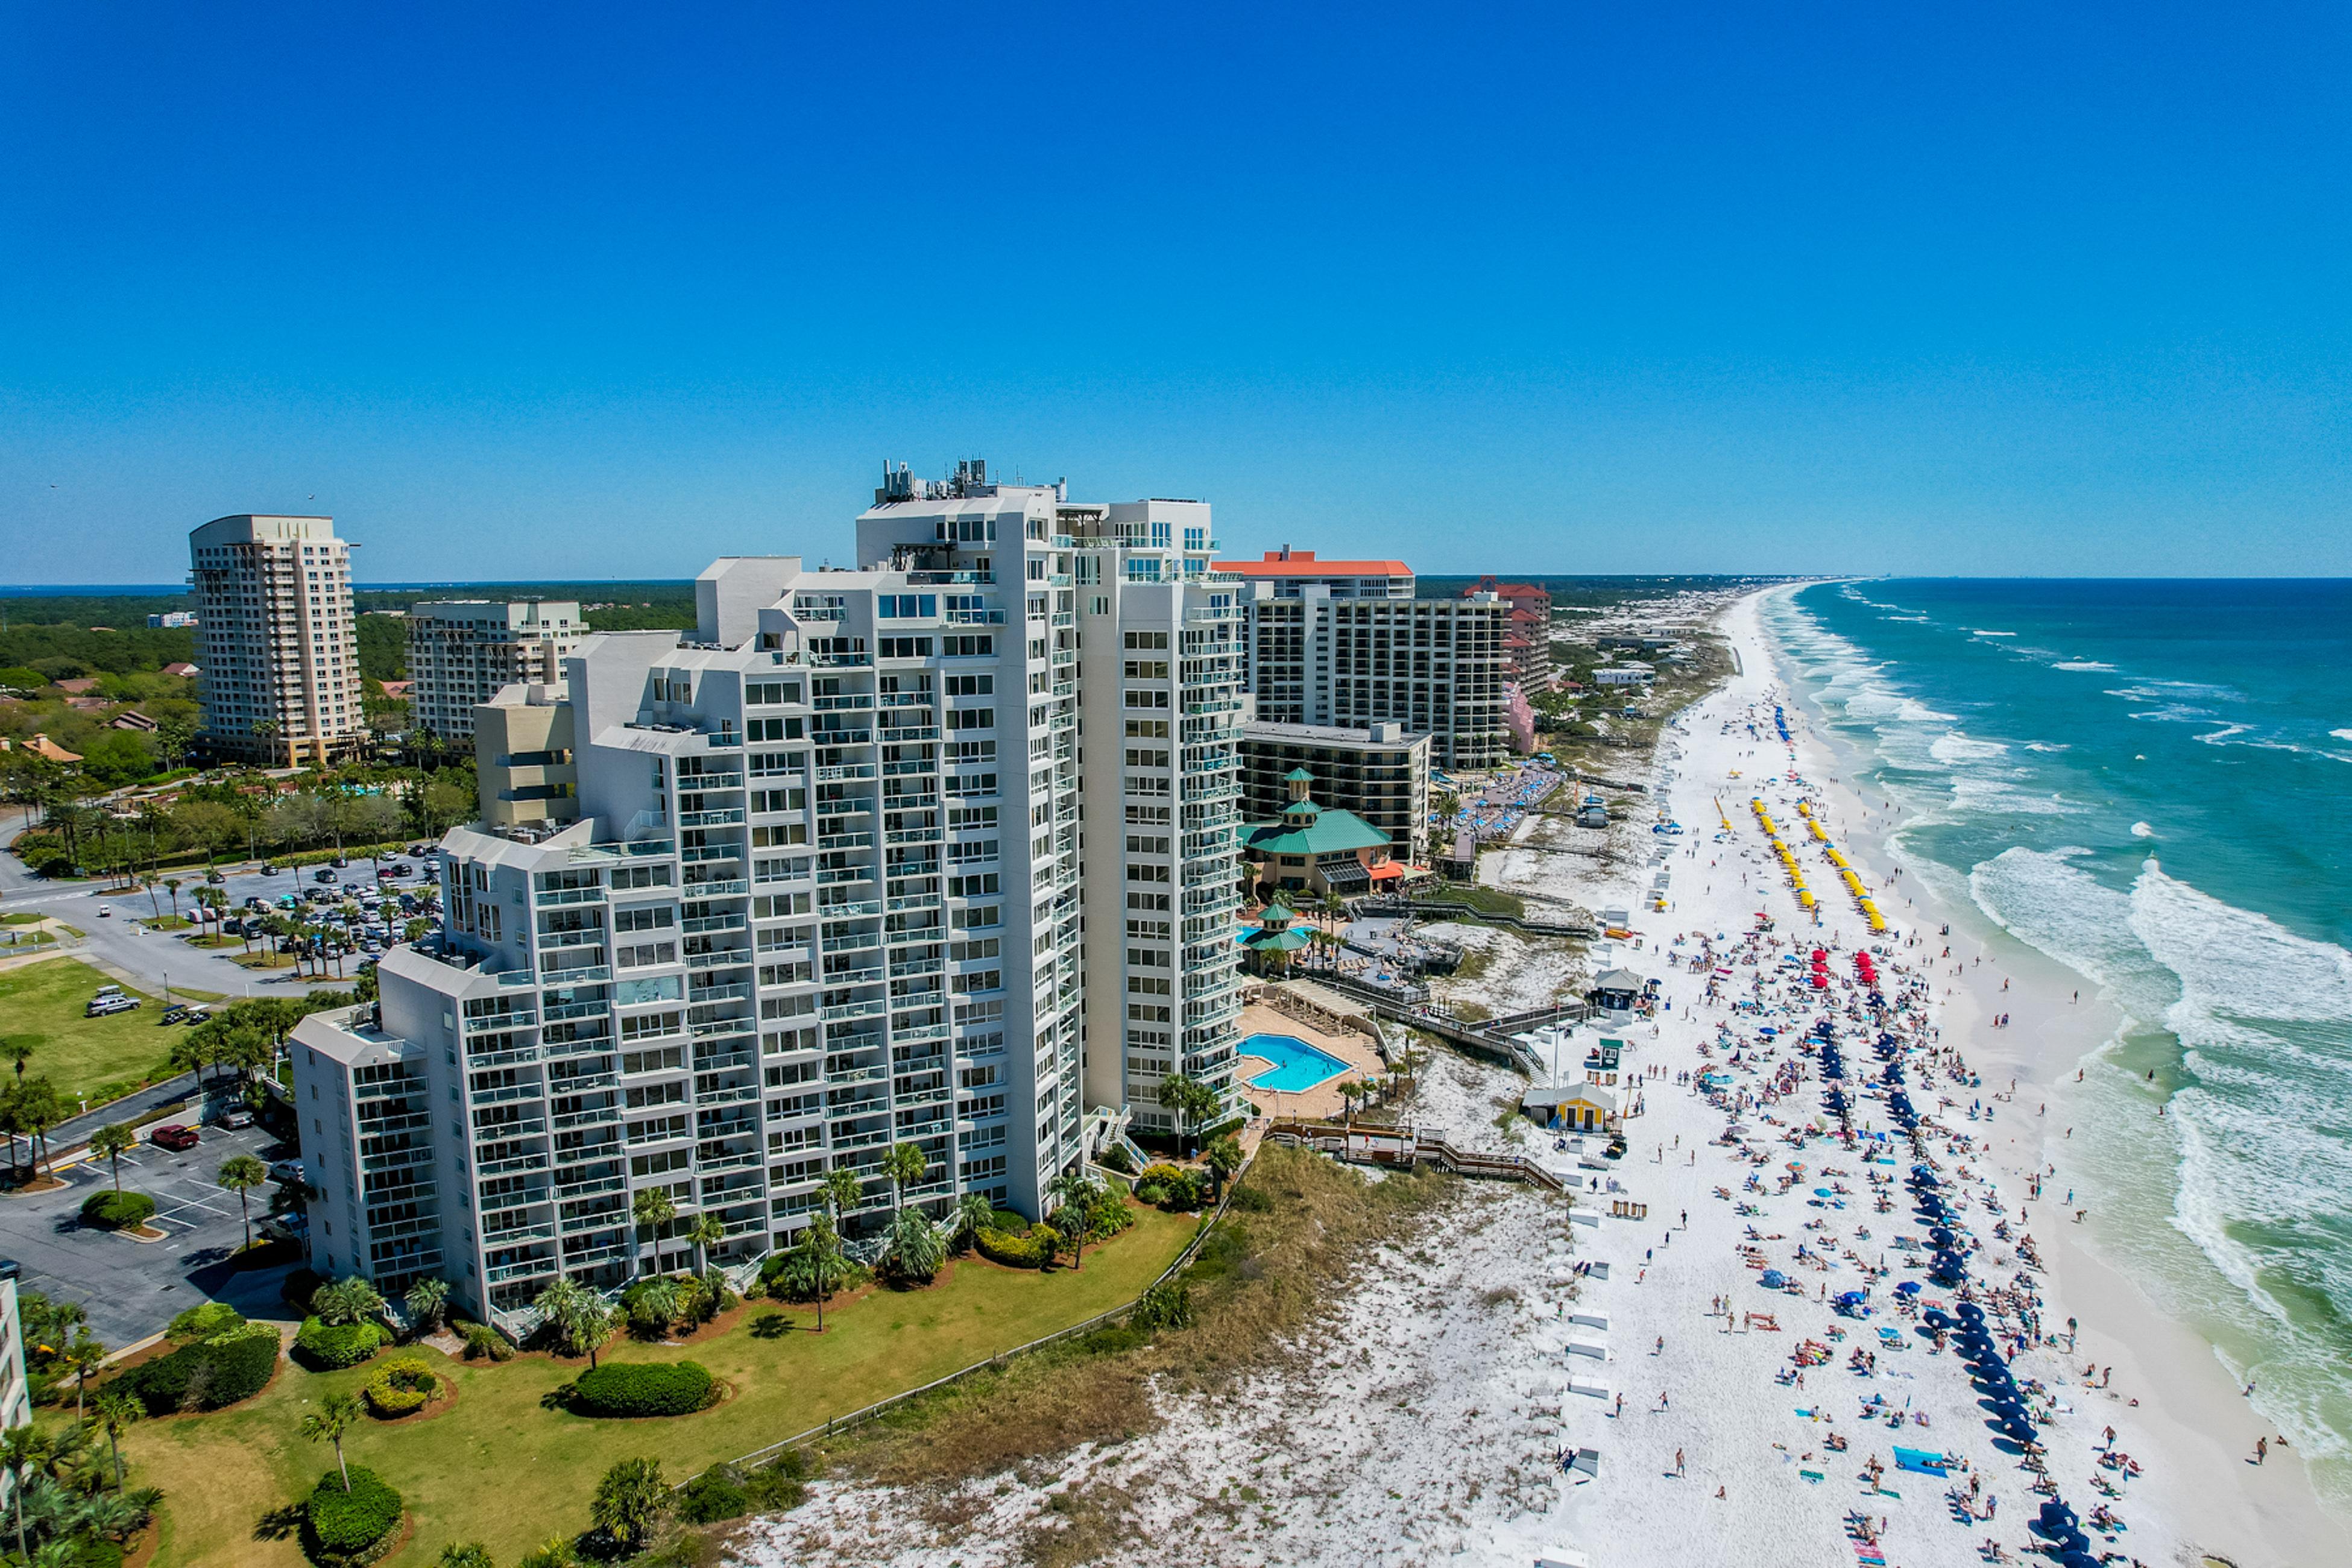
{"points": [[498, 1468], [43, 1002]]}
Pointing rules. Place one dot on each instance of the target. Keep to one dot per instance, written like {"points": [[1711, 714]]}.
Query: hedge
{"points": [[345, 1528], [326, 1348], [204, 1322], [230, 1366], [1014, 1251], [401, 1386], [1171, 1187], [632, 1388], [117, 1210]]}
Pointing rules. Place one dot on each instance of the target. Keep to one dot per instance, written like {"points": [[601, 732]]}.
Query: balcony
{"points": [[843, 875], [842, 772], [555, 897], [729, 781], [725, 959], [604, 1116], [716, 887], [862, 839], [511, 1164], [594, 1188], [721, 819]]}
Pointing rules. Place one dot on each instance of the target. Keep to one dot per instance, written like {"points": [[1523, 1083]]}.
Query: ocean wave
{"points": [[1981, 795], [2341, 734], [2047, 746], [1954, 748], [2142, 830], [2083, 664], [1981, 632]]}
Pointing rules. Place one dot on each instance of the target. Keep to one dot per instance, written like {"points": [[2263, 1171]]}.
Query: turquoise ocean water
{"points": [[2151, 782]]}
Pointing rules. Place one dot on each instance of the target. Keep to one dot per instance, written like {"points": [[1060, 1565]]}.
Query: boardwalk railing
{"points": [[1410, 1146]]}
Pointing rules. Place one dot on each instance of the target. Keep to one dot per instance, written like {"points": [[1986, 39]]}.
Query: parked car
{"points": [[106, 1006], [324, 873], [404, 868], [285, 1228], [270, 867], [236, 1116], [214, 878], [175, 1135], [105, 912], [286, 1170]]}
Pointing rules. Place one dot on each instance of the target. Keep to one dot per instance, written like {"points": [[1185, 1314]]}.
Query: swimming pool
{"points": [[1297, 1064]]}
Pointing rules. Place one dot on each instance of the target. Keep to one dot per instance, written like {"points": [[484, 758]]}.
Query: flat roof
{"points": [[1302, 563]]}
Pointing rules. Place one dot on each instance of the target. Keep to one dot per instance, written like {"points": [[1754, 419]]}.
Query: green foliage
{"points": [[484, 1343], [630, 1500], [1117, 1158], [203, 1321], [338, 1526], [1172, 1188], [401, 1386], [628, 1389], [715, 1495], [471, 1554], [915, 1248], [1168, 1306], [232, 1365], [112, 1210], [330, 1347], [1015, 1251]]}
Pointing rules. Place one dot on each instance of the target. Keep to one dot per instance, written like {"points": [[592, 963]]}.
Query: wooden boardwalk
{"points": [[1364, 1144]]}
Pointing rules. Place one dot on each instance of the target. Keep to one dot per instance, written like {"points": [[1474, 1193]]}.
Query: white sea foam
{"points": [[2047, 746], [1981, 632], [2083, 664], [2341, 734], [1954, 749], [2142, 830]]}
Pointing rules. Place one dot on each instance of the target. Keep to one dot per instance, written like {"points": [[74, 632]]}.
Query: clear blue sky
{"points": [[1573, 287]]}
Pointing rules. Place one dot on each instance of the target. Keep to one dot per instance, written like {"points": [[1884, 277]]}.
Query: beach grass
{"points": [[41, 1005], [498, 1465]]}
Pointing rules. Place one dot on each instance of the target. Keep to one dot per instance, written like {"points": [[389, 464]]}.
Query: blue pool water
{"points": [[1297, 1064]]}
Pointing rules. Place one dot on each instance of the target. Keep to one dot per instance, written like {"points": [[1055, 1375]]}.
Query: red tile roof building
{"points": [[1527, 642]]}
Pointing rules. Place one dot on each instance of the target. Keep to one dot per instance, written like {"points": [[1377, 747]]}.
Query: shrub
{"points": [[113, 1210], [330, 1347], [1108, 1215], [231, 1365], [1117, 1158], [484, 1343], [1172, 1187], [624, 1389], [714, 1495], [1164, 1306], [204, 1322], [344, 1529], [1003, 1246], [401, 1386]]}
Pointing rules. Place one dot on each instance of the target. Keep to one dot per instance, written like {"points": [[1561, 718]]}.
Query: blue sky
{"points": [[2008, 289]]}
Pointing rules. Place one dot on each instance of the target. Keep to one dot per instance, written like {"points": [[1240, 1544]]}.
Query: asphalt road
{"points": [[123, 942], [133, 1289]]}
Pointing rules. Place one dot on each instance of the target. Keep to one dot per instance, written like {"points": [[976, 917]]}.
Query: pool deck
{"points": [[1323, 1099]]}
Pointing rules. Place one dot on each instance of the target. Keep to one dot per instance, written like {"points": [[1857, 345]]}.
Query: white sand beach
{"points": [[1428, 1416]]}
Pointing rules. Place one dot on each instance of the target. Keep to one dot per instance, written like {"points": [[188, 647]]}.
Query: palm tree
{"points": [[971, 1211], [841, 1191], [171, 884], [905, 1165], [705, 1230], [328, 1424], [40, 1107], [265, 730], [426, 1299], [629, 1502], [352, 1300], [1225, 1157], [110, 1142], [1189, 1101], [653, 1208], [23, 1451], [1077, 1191], [472, 1554], [579, 1314], [814, 1265], [1349, 1092], [240, 1174], [85, 1356], [115, 1410]]}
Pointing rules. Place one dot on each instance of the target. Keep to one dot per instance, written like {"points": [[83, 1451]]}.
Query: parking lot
{"points": [[131, 1288]]}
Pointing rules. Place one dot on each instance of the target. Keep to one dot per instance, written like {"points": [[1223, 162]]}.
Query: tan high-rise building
{"points": [[463, 652], [277, 644]]}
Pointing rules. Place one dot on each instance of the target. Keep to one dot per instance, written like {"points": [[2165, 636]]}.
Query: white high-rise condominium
{"points": [[461, 652], [280, 655], [824, 897]]}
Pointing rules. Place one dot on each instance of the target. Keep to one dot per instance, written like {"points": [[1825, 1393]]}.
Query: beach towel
{"points": [[1816, 1476], [1920, 1460]]}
